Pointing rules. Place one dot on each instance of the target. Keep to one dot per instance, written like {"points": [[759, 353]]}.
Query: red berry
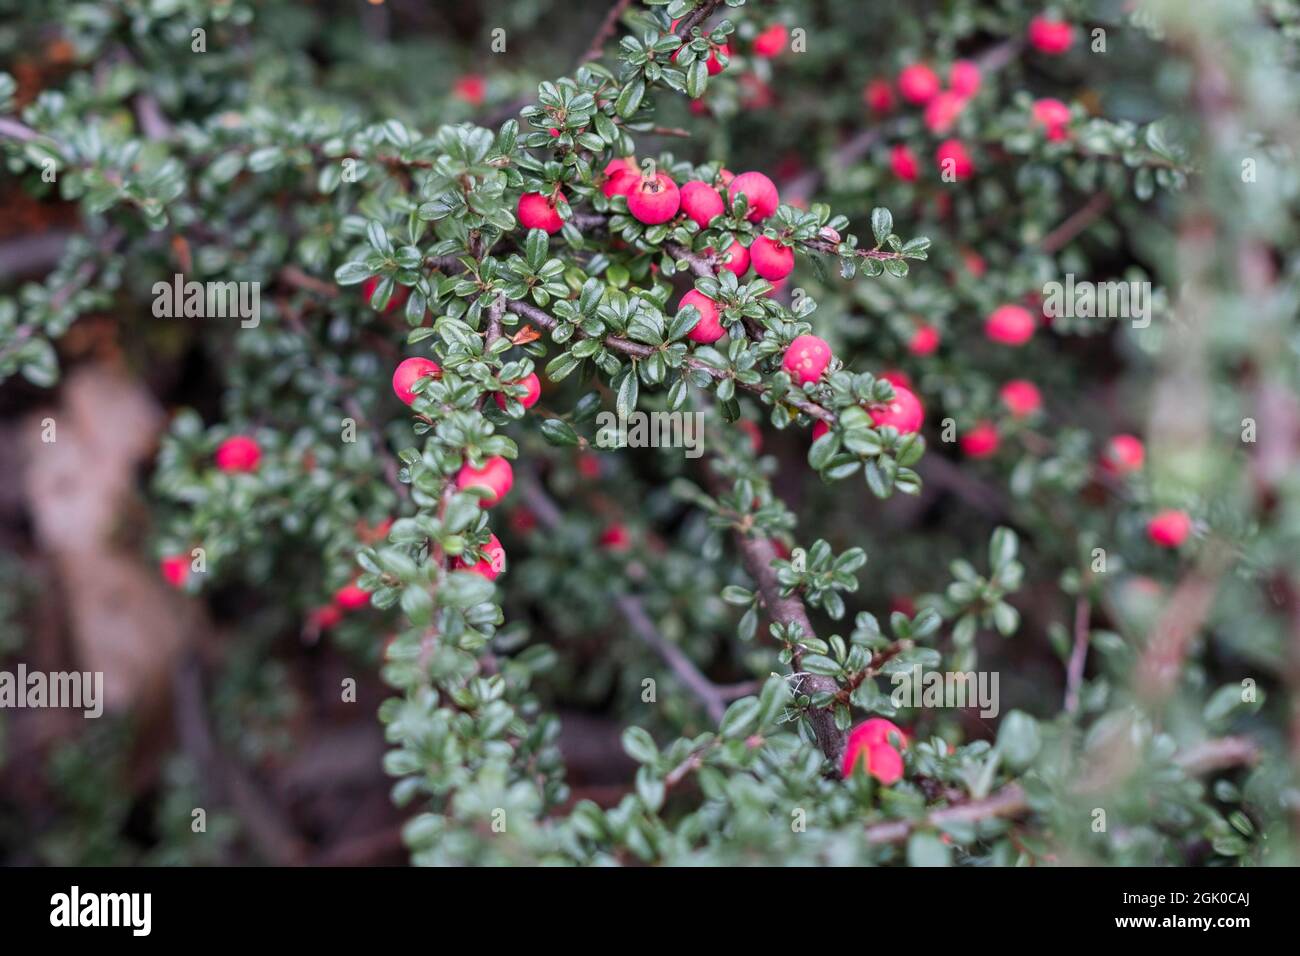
{"points": [[620, 183], [712, 64], [1009, 325], [489, 566], [588, 465], [529, 398], [735, 257], [326, 617], [470, 88], [408, 372], [701, 202], [395, 301], [974, 263], [806, 359], [820, 428], [924, 340], [709, 329], [754, 432], [538, 212], [1169, 528], [239, 453], [879, 96], [904, 413], [1021, 397], [903, 162], [897, 378], [1050, 35], [350, 598], [964, 78], [981, 441], [175, 569], [616, 538], [759, 191], [942, 112], [952, 158], [918, 84], [1124, 454], [1053, 116], [772, 41], [654, 200], [770, 259], [496, 477], [874, 746]]}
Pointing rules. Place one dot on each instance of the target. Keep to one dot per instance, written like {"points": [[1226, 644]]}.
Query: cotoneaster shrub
{"points": [[909, 394]]}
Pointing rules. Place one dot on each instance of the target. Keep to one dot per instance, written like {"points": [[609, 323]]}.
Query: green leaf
{"points": [[639, 745], [882, 224], [927, 849], [1019, 739], [559, 432]]}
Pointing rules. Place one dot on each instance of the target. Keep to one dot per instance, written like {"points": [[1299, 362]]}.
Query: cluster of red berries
{"points": [[702, 203], [919, 85]]}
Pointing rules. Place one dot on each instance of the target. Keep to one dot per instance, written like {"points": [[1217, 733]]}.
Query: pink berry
{"points": [[942, 112], [952, 158], [964, 78], [918, 84], [408, 372], [654, 200], [903, 162], [470, 88], [1169, 528], [1050, 35], [709, 329], [759, 191], [981, 441], [496, 476], [1009, 325], [1124, 454], [772, 41], [616, 538], [529, 399], [538, 212], [925, 339], [238, 453], [879, 96], [489, 566], [820, 428], [874, 746], [1053, 116], [350, 598], [770, 259], [735, 257], [175, 569], [1021, 397], [806, 359], [904, 413], [701, 202]]}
